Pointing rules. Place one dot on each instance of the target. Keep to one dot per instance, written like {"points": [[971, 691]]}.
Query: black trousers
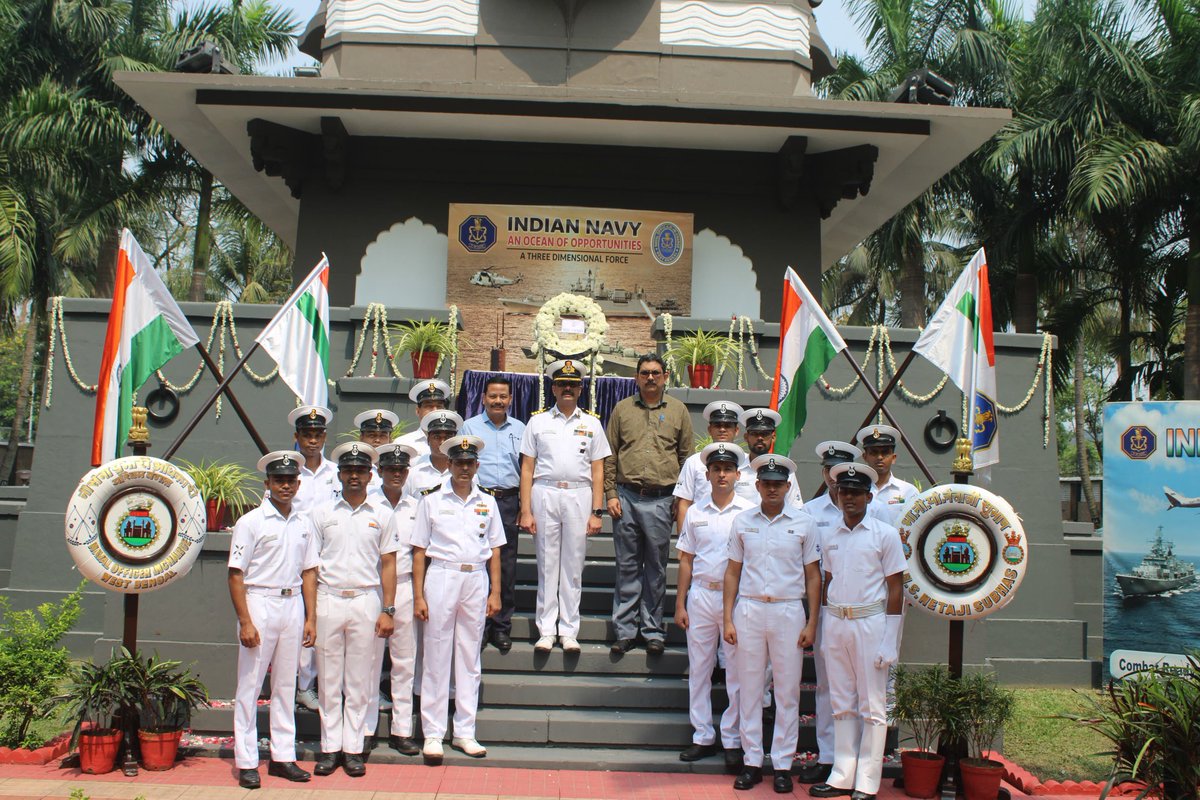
{"points": [[502, 622]]}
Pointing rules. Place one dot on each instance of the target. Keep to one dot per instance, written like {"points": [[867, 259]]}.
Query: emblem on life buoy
{"points": [[135, 524], [963, 546]]}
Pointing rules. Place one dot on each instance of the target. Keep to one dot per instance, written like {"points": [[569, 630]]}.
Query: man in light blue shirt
{"points": [[500, 476]]}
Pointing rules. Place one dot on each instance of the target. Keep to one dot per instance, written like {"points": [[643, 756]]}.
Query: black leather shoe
{"points": [[353, 764], [655, 647], [862, 796], [814, 773], [733, 760], [748, 778], [248, 779], [696, 752], [783, 783], [404, 745], [825, 790], [327, 763], [287, 770], [502, 641], [622, 646]]}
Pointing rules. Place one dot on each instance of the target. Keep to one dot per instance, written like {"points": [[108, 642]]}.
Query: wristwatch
{"points": [[598, 512], [391, 610]]}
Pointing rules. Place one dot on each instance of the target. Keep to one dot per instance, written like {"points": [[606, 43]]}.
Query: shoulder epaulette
{"points": [[541, 411], [430, 490], [593, 413]]}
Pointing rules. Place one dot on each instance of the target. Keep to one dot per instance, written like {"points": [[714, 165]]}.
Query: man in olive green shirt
{"points": [[650, 435]]}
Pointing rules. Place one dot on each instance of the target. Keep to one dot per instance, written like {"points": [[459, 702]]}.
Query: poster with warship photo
{"points": [[506, 261], [1151, 534]]}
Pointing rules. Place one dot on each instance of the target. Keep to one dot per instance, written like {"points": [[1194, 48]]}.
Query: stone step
{"points": [[599, 547], [596, 573], [1047, 671], [592, 628], [593, 599]]}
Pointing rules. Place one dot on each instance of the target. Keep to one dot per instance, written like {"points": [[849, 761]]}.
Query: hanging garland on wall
{"points": [[545, 335]]}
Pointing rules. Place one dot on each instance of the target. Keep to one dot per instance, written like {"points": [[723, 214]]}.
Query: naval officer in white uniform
{"points": [[879, 452], [772, 571], [562, 501], [266, 559], [428, 474], [458, 528], [693, 486], [430, 395], [703, 556], [864, 569], [351, 576], [375, 426]]}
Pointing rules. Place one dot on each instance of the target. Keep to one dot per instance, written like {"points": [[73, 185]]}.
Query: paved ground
{"points": [[213, 779]]}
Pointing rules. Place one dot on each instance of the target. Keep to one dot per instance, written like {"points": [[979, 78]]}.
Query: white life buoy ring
{"points": [[966, 549], [135, 524]]}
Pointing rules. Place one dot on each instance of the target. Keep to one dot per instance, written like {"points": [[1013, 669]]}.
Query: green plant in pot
{"points": [[924, 703], [225, 487], [980, 711], [96, 696], [427, 342], [166, 694], [702, 353]]}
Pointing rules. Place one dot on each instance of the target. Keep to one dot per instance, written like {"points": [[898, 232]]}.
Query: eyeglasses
{"points": [[645, 373]]}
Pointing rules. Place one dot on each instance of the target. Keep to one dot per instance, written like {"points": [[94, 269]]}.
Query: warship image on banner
{"points": [[1160, 571], [613, 302]]}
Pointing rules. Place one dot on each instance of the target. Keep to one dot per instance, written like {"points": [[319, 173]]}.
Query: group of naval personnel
{"points": [[404, 549]]}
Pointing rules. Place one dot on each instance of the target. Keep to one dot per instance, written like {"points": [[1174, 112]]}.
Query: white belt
{"points": [[268, 592], [404, 577], [716, 586], [333, 592], [562, 484], [766, 598], [456, 566], [856, 612]]}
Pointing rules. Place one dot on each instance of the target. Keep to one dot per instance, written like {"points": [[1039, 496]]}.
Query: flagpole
{"points": [[879, 405], [887, 391], [195, 420], [233, 401]]}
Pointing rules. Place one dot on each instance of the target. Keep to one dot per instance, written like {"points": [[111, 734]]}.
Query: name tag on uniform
{"points": [[751, 530], [791, 531], [447, 512], [701, 523], [830, 548], [329, 523]]}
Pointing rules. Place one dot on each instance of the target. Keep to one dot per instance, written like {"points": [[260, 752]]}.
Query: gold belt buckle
{"points": [[466, 567], [285, 592], [851, 613], [712, 584], [562, 485], [768, 599], [349, 593]]}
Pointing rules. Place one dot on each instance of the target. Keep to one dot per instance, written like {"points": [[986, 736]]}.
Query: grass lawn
{"points": [[1054, 749]]}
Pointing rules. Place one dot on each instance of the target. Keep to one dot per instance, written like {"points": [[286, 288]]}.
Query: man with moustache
{"points": [[703, 556], [430, 395], [864, 565], [318, 485], [562, 502], [266, 559], [350, 580], [772, 572], [500, 476], [650, 436], [458, 529], [428, 474], [760, 425]]}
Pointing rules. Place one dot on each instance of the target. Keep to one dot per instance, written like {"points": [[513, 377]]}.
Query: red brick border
{"points": [[55, 748], [1029, 783]]}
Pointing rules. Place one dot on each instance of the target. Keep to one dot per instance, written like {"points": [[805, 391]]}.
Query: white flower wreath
{"points": [[546, 324]]}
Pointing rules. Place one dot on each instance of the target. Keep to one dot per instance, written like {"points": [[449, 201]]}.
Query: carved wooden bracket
{"points": [[291, 154], [829, 177]]}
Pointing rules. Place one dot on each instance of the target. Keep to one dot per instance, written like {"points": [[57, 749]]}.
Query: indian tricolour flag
{"points": [[959, 342], [146, 329], [808, 342], [297, 337]]}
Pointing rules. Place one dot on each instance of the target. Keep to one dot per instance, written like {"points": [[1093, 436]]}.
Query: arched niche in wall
{"points": [[405, 267], [723, 279]]}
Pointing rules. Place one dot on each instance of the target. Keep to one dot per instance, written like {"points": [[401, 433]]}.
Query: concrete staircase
{"points": [[591, 710]]}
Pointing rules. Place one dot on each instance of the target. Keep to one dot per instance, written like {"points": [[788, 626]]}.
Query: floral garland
{"points": [[672, 367], [56, 325], [375, 319], [545, 333]]}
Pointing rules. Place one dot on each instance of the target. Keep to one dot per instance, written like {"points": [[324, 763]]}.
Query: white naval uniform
{"points": [[826, 516], [858, 562], [416, 440], [705, 534], [317, 487], [773, 554], [269, 549], [693, 484], [347, 546], [563, 449], [458, 536], [403, 642], [423, 477], [894, 495]]}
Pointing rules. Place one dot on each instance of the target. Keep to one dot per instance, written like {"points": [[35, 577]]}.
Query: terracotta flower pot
{"points": [[424, 365], [215, 513], [700, 376], [981, 778], [98, 750], [922, 773], [159, 749]]}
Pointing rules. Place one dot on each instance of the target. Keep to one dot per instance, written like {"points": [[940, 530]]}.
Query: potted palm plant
{"points": [[924, 703], [225, 487], [166, 693], [426, 342], [702, 352], [94, 696], [982, 709]]}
